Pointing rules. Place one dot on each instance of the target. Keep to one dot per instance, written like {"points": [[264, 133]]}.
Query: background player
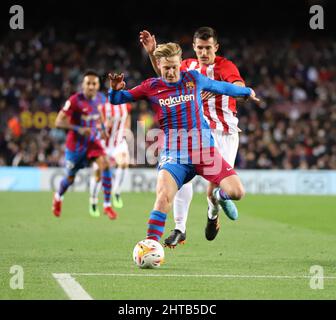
{"points": [[116, 120], [80, 116], [176, 98], [220, 113]]}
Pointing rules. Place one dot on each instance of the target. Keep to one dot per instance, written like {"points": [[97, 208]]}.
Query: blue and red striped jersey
{"points": [[179, 109], [84, 113]]}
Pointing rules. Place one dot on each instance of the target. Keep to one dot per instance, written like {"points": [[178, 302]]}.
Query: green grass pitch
{"points": [[275, 236]]}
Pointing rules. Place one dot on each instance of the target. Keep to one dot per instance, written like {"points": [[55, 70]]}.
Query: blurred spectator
{"points": [[14, 126]]}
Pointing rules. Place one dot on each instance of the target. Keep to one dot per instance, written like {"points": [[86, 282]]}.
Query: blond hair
{"points": [[167, 50]]}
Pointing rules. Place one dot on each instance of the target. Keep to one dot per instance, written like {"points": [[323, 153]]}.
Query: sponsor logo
{"points": [[175, 101]]}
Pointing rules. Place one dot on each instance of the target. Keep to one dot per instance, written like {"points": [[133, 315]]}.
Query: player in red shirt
{"points": [[80, 116], [220, 114], [116, 119]]}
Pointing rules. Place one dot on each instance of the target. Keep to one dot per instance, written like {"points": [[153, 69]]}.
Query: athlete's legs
{"points": [[166, 189], [74, 162], [122, 162], [182, 202], [105, 172], [227, 145], [232, 187], [66, 182], [104, 168], [95, 186], [217, 171], [213, 207]]}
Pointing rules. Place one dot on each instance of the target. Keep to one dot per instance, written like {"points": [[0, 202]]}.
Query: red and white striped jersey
{"points": [[219, 111], [114, 117]]}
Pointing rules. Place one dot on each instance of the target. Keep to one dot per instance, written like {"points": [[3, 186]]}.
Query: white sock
{"points": [[181, 206], [118, 179], [58, 197], [95, 187], [212, 210]]}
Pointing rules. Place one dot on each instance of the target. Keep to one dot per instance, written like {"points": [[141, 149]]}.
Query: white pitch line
{"points": [[71, 287], [203, 275]]}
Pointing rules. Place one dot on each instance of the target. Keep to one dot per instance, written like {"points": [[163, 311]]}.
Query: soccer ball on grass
{"points": [[148, 254]]}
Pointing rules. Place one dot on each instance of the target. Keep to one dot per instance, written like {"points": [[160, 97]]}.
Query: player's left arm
{"points": [[206, 95], [230, 73], [241, 84], [223, 87]]}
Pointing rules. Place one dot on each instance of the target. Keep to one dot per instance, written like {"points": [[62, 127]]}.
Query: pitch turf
{"points": [[274, 236]]}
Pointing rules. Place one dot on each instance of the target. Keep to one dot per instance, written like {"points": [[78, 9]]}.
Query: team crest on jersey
{"points": [[190, 85]]}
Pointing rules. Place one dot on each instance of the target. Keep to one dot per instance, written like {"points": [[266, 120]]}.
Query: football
{"points": [[148, 254]]}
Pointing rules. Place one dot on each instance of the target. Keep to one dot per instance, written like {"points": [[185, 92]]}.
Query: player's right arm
{"points": [[63, 122], [117, 95], [149, 43]]}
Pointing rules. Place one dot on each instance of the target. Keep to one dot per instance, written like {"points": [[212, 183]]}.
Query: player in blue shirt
{"points": [[188, 147]]}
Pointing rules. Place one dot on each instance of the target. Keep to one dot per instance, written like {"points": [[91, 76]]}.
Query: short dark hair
{"points": [[205, 33], [90, 72]]}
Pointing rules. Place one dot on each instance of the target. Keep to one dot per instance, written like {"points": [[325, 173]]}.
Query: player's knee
{"points": [[97, 175], [125, 165], [238, 192], [104, 164]]}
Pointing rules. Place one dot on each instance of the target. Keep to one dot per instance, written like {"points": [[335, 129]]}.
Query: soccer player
{"points": [[176, 97], [80, 116], [116, 120], [220, 114]]}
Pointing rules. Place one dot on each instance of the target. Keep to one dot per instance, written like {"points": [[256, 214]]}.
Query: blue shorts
{"points": [[182, 173], [75, 161]]}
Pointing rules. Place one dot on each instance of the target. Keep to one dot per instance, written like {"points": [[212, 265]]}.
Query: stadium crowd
{"points": [[294, 127]]}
